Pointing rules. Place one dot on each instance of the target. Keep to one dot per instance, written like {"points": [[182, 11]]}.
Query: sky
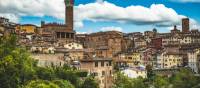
{"points": [[106, 15]]}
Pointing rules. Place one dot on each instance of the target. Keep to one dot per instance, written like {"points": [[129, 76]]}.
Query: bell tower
{"points": [[69, 12]]}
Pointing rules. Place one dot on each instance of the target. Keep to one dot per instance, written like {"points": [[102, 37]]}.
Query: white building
{"points": [[193, 60], [73, 45], [135, 72]]}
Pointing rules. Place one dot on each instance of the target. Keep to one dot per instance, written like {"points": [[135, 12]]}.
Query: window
{"points": [[96, 64], [110, 63], [95, 74], [103, 73], [102, 63], [107, 64]]}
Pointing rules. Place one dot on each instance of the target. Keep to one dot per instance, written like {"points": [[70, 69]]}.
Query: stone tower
{"points": [[69, 6], [185, 25]]}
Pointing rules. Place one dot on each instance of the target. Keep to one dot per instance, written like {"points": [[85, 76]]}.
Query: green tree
{"points": [[161, 82], [47, 73], [122, 81], [68, 74], [41, 84], [184, 79], [150, 74], [16, 67], [90, 82], [63, 84]]}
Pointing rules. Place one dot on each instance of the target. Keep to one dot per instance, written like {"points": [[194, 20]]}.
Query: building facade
{"points": [[101, 68]]}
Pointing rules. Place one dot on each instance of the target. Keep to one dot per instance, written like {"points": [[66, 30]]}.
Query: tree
{"points": [[16, 66], [41, 84], [90, 82], [184, 79], [47, 73], [122, 81], [150, 73], [161, 82], [68, 74], [63, 84]]}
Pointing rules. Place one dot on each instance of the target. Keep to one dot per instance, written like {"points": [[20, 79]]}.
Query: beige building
{"points": [[105, 44], [140, 43], [43, 49], [101, 68], [169, 60], [47, 60], [73, 51], [27, 28], [127, 59]]}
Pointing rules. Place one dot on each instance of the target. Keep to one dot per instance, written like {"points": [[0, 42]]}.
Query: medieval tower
{"points": [[185, 25], [69, 6]]}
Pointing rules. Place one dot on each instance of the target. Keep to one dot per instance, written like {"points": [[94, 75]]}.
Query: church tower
{"points": [[69, 12]]}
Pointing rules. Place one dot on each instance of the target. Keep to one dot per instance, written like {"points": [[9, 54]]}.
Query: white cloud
{"points": [[99, 1], [193, 25], [112, 28], [18, 8], [12, 17], [81, 32], [156, 14]]}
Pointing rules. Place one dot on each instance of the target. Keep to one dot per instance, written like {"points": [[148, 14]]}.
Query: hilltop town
{"points": [[102, 53]]}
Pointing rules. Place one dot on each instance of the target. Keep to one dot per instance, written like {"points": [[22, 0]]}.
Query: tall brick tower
{"points": [[185, 25], [69, 6]]}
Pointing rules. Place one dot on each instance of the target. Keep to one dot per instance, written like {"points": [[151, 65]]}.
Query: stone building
{"points": [[71, 55], [148, 57], [74, 51], [81, 38], [105, 44], [140, 42], [62, 32], [48, 60], [6, 27], [156, 43], [101, 68], [127, 43]]}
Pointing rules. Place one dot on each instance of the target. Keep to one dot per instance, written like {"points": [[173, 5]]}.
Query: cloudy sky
{"points": [[104, 15]]}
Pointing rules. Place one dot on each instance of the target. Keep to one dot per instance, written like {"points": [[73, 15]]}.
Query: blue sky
{"points": [[91, 23]]}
